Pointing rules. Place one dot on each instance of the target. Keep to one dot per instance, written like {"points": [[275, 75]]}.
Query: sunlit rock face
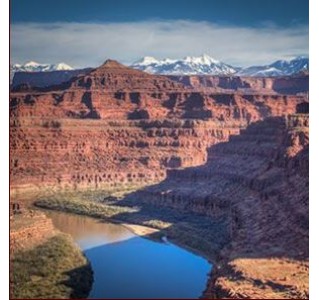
{"points": [[115, 125]]}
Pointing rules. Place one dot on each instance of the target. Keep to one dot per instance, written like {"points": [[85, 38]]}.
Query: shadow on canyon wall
{"points": [[249, 194], [249, 200]]}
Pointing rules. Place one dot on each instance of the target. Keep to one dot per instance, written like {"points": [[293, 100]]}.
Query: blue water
{"points": [[129, 266]]}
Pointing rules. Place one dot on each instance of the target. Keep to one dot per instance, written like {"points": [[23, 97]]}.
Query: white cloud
{"points": [[89, 44]]}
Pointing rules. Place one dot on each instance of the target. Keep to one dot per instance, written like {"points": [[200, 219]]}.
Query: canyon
{"points": [[230, 148]]}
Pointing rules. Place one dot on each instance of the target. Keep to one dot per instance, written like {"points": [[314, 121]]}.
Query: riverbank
{"points": [[196, 233], [55, 269]]}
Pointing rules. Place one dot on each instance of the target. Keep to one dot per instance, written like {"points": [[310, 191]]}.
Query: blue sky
{"points": [[85, 33]]}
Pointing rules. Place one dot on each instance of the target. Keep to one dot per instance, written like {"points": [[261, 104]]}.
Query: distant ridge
{"points": [[33, 66], [206, 65], [202, 65]]}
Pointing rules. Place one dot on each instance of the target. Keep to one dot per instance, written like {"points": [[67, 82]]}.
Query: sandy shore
{"points": [[139, 229]]}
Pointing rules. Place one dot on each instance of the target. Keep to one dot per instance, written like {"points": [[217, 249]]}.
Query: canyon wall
{"points": [[265, 165], [117, 126], [258, 180]]}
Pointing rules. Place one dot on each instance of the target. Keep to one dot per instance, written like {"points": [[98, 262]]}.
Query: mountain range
{"points": [[206, 65], [33, 66], [189, 65], [202, 65], [278, 68]]}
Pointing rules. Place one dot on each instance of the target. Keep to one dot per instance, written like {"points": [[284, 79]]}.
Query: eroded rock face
{"points": [[29, 229], [259, 181], [249, 167], [117, 125]]}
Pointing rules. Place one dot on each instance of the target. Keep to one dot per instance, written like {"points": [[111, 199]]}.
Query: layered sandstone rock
{"points": [[116, 125], [259, 181], [28, 229]]}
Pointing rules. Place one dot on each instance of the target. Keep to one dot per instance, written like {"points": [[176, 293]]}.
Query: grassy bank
{"points": [[56, 269]]}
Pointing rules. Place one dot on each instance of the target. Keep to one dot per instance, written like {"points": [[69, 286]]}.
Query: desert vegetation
{"points": [[55, 269]]}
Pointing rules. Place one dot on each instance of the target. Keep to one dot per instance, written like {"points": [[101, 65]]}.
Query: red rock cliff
{"points": [[116, 125]]}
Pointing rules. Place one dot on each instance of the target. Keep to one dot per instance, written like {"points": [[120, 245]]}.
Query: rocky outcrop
{"points": [[29, 229]]}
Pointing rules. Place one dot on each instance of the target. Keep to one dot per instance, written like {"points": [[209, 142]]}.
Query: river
{"points": [[129, 266]]}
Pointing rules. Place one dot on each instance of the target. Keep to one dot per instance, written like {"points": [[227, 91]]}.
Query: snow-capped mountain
{"points": [[202, 65], [33, 66], [206, 65], [278, 68]]}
